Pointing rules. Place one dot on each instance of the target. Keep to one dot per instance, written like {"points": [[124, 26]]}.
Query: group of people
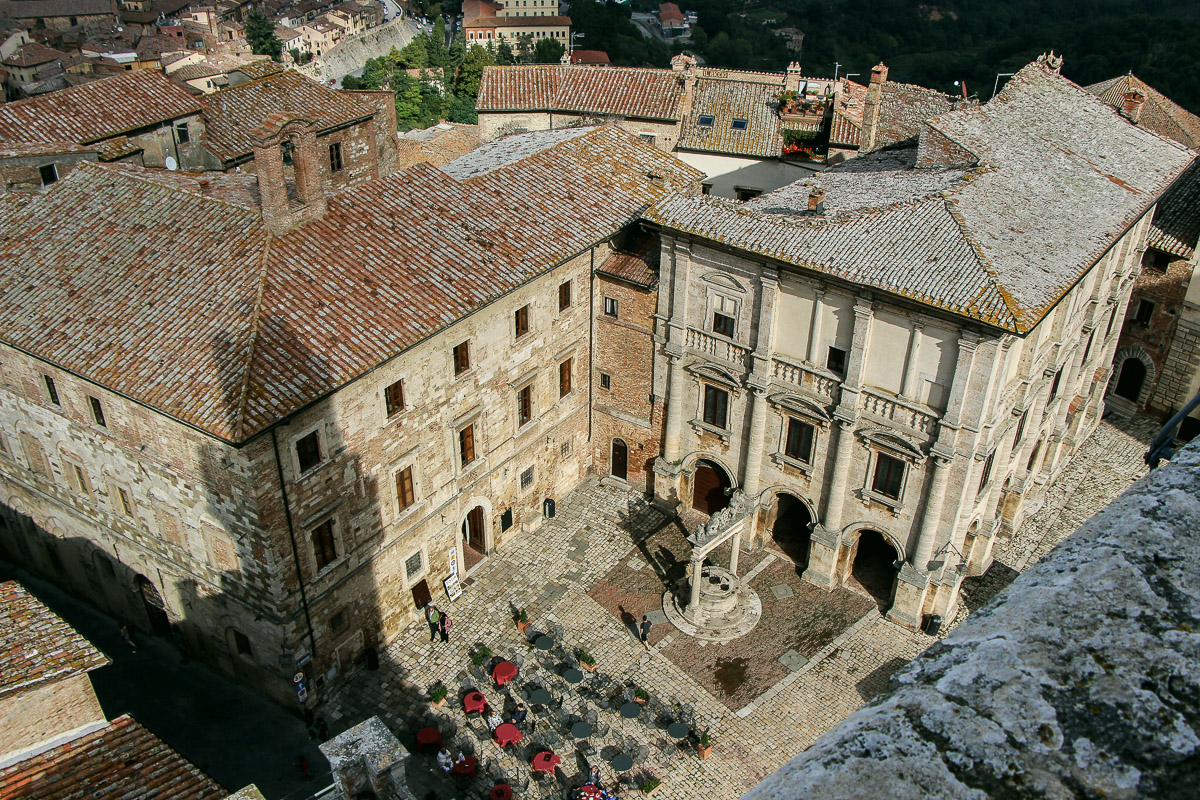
{"points": [[519, 716], [447, 761], [439, 623], [593, 780]]}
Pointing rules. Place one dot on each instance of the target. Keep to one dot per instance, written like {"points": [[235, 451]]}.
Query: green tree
{"points": [[525, 49], [260, 33], [415, 54], [408, 100], [548, 51], [470, 71], [461, 108], [438, 55], [504, 53]]}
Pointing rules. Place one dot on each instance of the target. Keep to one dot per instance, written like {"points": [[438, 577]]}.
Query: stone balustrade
{"points": [[899, 412], [805, 378], [718, 348]]}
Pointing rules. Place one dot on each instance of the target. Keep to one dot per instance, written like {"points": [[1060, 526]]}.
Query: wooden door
{"points": [[708, 489], [156, 612], [420, 594], [473, 529], [620, 459]]}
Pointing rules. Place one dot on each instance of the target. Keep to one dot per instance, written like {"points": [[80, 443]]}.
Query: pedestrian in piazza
{"points": [[645, 628], [433, 617], [444, 626]]}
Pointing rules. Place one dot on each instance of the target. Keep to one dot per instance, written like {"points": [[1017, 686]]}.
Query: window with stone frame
{"points": [[1144, 313], [716, 406], [77, 477], [564, 296], [462, 358], [521, 321], [524, 406], [324, 545], [605, 380], [393, 398], [986, 475], [798, 440], [611, 307], [51, 390], [1055, 384], [124, 502], [888, 479], [527, 478], [835, 362], [466, 445], [413, 565], [335, 157], [182, 134], [723, 315], [97, 411], [241, 643], [308, 451], [564, 377], [1020, 427], [405, 495], [339, 622]]}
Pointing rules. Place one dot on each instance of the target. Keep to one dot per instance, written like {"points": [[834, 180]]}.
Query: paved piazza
{"points": [[596, 568]]}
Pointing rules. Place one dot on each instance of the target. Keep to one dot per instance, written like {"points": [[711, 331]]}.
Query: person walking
{"points": [[444, 627], [645, 630], [433, 617]]}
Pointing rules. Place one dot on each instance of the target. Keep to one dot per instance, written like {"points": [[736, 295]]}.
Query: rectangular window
{"points": [[335, 157], [1156, 260], [404, 488], [1087, 350], [799, 440], [308, 451], [241, 644], [527, 478], [393, 398], [889, 476], [49, 174], [126, 503], [1112, 317], [716, 406], [182, 133], [1145, 310], [97, 411], [412, 565], [51, 390], [1054, 384], [564, 296], [339, 622], [987, 472], [324, 547], [744, 193], [80, 478], [706, 188], [462, 358], [564, 377], [466, 445], [1020, 427], [722, 324], [506, 519], [739, 124], [836, 360], [564, 449], [521, 321], [649, 138], [605, 381], [705, 120], [610, 306], [524, 406]]}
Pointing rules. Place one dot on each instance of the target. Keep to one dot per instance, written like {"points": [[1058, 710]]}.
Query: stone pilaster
{"points": [[908, 387], [814, 330], [927, 537]]}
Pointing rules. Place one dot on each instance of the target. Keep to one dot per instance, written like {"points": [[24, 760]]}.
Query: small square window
{"points": [[706, 188], [521, 321], [51, 390], [705, 120], [605, 381], [405, 496], [564, 449], [393, 398], [564, 296], [889, 476], [716, 406], [739, 124], [308, 451], [527, 478], [744, 193], [339, 622], [462, 358], [610, 306], [466, 445], [241, 644], [836, 360], [335, 157], [413, 564], [1144, 313], [1156, 260], [649, 138], [49, 174], [126, 503], [564, 377], [324, 546], [799, 440], [182, 133], [97, 411], [722, 324], [524, 406]]}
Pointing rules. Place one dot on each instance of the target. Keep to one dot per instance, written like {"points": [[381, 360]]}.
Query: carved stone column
{"points": [[733, 555], [755, 444], [696, 568], [675, 401], [814, 329], [923, 552], [908, 388], [842, 459]]}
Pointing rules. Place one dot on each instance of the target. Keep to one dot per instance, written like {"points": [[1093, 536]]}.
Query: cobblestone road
{"points": [[551, 572]]}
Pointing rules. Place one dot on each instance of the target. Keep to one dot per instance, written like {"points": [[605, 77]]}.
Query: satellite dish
{"points": [[172, 164]]}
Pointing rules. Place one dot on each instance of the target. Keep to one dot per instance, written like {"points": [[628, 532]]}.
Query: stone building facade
{"points": [[866, 401]]}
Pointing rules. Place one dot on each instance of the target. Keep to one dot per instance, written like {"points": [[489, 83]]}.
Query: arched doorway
{"points": [[156, 609], [474, 537], [874, 568], [792, 531], [708, 487], [619, 464], [1129, 382]]}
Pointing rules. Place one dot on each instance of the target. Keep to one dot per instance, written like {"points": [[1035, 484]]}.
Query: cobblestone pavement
{"points": [[554, 572]]}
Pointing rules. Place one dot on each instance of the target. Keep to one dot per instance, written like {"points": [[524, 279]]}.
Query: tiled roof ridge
{"points": [[244, 85], [149, 178], [985, 265], [241, 411], [1165, 104], [918, 88], [733, 73]]}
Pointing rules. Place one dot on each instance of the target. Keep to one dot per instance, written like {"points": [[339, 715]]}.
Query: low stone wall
{"points": [[1082, 679], [351, 54]]}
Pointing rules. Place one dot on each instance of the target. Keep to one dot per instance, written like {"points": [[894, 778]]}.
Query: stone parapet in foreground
{"points": [[1082, 679]]}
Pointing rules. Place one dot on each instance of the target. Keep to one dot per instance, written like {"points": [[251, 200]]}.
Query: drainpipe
{"points": [[591, 341], [287, 514]]}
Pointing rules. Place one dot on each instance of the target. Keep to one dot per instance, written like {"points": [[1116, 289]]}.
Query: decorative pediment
{"points": [[799, 405], [893, 442], [724, 281], [715, 374]]}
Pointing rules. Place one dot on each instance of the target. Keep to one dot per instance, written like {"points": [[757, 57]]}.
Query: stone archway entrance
{"points": [[874, 569], [619, 465], [156, 609], [792, 531], [1129, 382], [474, 538], [709, 483]]}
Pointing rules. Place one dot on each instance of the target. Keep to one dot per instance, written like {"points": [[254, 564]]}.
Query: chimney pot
{"points": [[815, 198], [879, 73], [791, 81], [1131, 106]]}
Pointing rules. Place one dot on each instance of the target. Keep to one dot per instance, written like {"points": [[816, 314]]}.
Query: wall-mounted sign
{"points": [[454, 562]]}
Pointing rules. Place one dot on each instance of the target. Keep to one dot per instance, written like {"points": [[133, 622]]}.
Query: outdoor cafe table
{"points": [[581, 730], [539, 697], [504, 672], [501, 791], [427, 737], [572, 676], [507, 734], [545, 762], [543, 642], [631, 710], [622, 762], [590, 792], [474, 702], [466, 767], [677, 730]]}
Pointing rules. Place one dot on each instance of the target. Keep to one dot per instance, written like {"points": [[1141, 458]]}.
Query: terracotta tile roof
{"points": [[186, 304], [259, 68], [1159, 113], [97, 110], [902, 109], [123, 761], [192, 71], [231, 114], [517, 22], [589, 57], [21, 149], [36, 646], [509, 150], [1000, 243], [32, 54], [623, 91], [115, 148], [636, 263], [1176, 227], [668, 12], [725, 101], [28, 9], [447, 142], [846, 125]]}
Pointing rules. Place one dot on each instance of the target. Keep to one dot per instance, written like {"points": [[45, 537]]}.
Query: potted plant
{"points": [[650, 785], [522, 620], [437, 695], [586, 661], [640, 696], [704, 747], [787, 101], [481, 654]]}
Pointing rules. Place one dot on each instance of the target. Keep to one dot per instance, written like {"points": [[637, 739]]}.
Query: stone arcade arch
{"points": [[873, 561], [791, 528], [710, 483], [156, 609], [1134, 375]]}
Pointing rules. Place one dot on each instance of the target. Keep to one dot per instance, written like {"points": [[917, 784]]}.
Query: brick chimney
{"points": [[879, 74], [871, 108], [792, 82], [816, 200], [298, 136], [1131, 105]]}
